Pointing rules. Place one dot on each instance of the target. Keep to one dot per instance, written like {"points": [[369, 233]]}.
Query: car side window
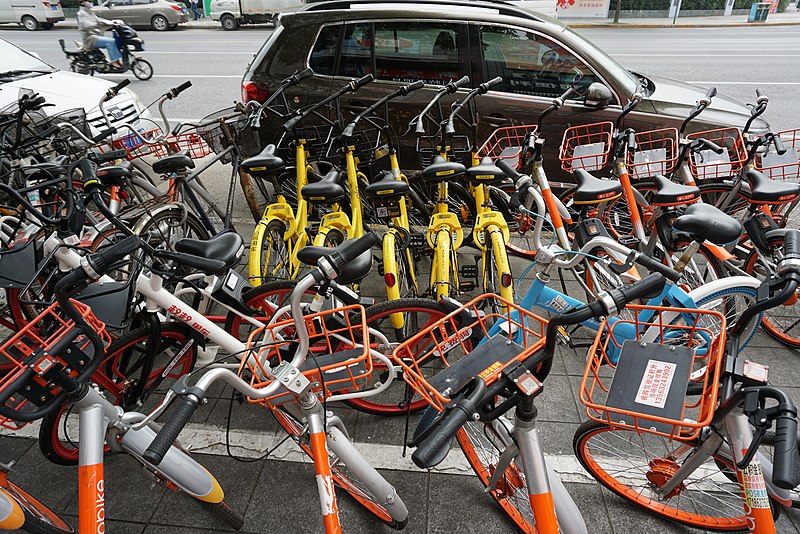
{"points": [[529, 63], [410, 51], [355, 58], [323, 55]]}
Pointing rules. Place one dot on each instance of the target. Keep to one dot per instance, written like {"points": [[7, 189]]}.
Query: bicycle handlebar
{"points": [[701, 105], [447, 89], [350, 87], [785, 466], [403, 91], [182, 411], [557, 104], [482, 89]]}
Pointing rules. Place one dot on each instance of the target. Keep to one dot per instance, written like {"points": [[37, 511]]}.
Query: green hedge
{"points": [[71, 3]]}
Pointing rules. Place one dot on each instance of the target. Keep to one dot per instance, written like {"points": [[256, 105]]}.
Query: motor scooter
{"points": [[90, 61]]}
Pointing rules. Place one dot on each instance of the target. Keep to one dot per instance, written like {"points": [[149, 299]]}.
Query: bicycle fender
{"points": [[282, 212], [177, 467], [484, 222], [11, 515], [445, 221]]}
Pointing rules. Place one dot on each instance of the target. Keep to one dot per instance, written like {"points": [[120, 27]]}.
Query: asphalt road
{"points": [[736, 60]]}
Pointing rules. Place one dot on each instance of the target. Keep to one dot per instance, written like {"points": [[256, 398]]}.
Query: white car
{"points": [[22, 71]]}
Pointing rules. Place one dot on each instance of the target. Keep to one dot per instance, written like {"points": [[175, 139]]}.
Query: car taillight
{"points": [[176, 7], [254, 91]]}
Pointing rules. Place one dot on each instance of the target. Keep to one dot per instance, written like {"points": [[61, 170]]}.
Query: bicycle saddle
{"points": [[51, 168], [592, 190], [442, 170], [114, 174], [485, 173], [326, 190], [767, 191], [354, 272], [265, 162], [173, 163], [670, 193], [387, 187], [226, 247], [705, 222]]}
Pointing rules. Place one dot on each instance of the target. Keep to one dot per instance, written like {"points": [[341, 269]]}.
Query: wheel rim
{"points": [[611, 454], [160, 23], [275, 264], [142, 69], [482, 447]]}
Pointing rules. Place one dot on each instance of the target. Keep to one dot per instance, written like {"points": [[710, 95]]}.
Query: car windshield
{"points": [[617, 71], [17, 62]]}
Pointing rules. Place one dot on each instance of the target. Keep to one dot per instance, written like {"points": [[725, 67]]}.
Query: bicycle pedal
{"points": [[468, 271], [417, 241], [466, 287]]}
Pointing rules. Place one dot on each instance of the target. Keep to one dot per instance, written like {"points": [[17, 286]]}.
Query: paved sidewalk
{"points": [[789, 17]]}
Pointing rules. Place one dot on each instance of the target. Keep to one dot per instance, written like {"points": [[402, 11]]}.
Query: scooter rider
{"points": [[92, 27]]}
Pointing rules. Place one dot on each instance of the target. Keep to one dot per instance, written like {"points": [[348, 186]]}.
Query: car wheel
{"points": [[229, 22], [159, 23], [30, 23]]}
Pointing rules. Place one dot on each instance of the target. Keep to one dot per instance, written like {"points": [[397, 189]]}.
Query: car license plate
{"points": [[53, 7]]}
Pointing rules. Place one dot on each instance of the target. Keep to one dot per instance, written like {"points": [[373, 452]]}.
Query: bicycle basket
{"points": [[245, 137], [586, 146], [656, 153], [189, 142], [135, 147], [506, 143], [638, 370], [338, 359], [706, 165], [786, 166], [460, 149], [28, 359], [447, 354]]}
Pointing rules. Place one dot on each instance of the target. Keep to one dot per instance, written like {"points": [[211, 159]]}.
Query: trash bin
{"points": [[759, 12]]}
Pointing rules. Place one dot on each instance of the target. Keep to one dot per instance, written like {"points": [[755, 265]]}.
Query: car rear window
{"points": [[530, 63]]}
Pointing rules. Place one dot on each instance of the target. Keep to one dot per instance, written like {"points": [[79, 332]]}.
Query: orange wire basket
{"points": [[454, 340], [656, 153], [648, 380], [339, 361], [787, 166], [710, 166], [506, 143], [189, 142], [33, 348], [135, 147], [586, 146]]}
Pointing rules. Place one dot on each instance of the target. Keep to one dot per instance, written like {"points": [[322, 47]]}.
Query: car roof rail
{"points": [[504, 7]]}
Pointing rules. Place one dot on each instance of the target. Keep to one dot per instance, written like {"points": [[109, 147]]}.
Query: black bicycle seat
{"points": [[50, 169], [354, 272], [266, 162], [327, 190], [114, 174], [671, 193], [227, 248], [387, 187], [442, 170], [705, 222], [173, 163], [485, 173], [765, 190], [592, 190]]}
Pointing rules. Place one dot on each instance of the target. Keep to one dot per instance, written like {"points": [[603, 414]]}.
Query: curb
{"points": [[687, 25]]}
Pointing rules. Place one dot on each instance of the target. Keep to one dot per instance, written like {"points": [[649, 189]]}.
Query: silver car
{"points": [[160, 15]]}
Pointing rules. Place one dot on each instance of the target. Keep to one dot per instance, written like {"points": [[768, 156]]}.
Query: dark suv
{"points": [[437, 41]]}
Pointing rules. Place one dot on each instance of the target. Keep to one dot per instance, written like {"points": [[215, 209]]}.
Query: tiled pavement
{"points": [[278, 496]]}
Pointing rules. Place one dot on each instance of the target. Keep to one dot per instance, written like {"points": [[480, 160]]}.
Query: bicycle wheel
{"points": [[483, 444], [165, 227], [344, 477], [718, 194], [730, 302], [631, 464], [417, 314], [39, 519], [271, 254], [781, 322], [118, 376], [616, 216], [702, 268], [264, 300]]}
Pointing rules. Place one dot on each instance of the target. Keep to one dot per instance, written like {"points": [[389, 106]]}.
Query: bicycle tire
{"points": [[714, 193], [403, 259], [355, 489], [225, 513], [781, 322], [164, 227], [616, 216], [731, 302], [264, 300], [119, 367], [271, 254], [392, 401], [703, 514], [39, 518], [476, 442]]}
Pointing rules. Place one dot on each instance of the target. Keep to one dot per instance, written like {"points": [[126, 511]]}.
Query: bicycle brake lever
{"points": [[753, 448], [156, 413]]}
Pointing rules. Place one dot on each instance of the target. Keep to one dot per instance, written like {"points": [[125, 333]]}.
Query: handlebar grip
{"points": [[117, 88], [289, 125], [302, 75], [419, 84], [175, 91], [509, 171], [484, 87], [711, 93], [791, 244], [430, 451], [656, 266], [207, 265], [650, 286], [711, 145], [759, 92], [102, 260], [338, 260], [780, 148], [88, 169], [104, 134], [105, 157], [456, 85], [183, 410], [361, 82], [785, 466]]}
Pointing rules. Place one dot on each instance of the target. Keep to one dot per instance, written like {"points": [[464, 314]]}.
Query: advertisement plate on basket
{"points": [[450, 343], [655, 383]]}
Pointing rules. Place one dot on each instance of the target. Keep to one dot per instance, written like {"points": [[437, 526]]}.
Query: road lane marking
{"points": [[182, 76], [743, 83]]}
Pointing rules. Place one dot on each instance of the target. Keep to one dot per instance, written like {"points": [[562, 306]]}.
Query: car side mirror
{"points": [[598, 96]]}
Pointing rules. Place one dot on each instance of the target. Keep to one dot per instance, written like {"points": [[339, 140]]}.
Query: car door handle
{"points": [[497, 122]]}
